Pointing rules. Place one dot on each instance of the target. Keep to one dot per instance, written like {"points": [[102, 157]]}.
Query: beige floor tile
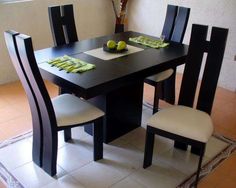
{"points": [[65, 182], [98, 174], [129, 183], [34, 177]]}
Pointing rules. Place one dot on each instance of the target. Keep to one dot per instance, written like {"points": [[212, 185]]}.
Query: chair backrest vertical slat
{"points": [[56, 25], [169, 21], [69, 22], [62, 24], [192, 65], [215, 52], [180, 24], [212, 69]]}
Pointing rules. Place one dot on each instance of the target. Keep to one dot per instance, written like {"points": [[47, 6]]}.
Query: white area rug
{"points": [[120, 168]]}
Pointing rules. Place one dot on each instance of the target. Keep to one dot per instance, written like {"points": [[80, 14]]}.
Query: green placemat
{"points": [[70, 64], [149, 42]]}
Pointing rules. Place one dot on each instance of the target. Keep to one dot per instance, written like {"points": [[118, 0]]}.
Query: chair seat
{"points": [[161, 76], [184, 121], [71, 110]]}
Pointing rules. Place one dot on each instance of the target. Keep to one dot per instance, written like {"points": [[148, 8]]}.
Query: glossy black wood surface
{"points": [[114, 80]]}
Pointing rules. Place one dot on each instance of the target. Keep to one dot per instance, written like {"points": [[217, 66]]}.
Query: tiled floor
{"points": [[121, 166], [15, 119]]}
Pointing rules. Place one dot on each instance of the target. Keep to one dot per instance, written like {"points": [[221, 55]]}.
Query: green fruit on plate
{"points": [[111, 44], [121, 45]]}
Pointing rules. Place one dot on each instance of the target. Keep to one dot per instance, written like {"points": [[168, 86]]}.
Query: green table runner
{"points": [[149, 42], [70, 64]]}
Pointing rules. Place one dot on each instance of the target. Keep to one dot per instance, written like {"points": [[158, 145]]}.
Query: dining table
{"points": [[116, 83]]}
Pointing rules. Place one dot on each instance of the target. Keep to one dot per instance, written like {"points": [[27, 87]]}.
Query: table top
{"points": [[110, 74]]}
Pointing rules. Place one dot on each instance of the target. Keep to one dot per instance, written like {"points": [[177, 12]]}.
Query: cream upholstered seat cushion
{"points": [[184, 121], [161, 76], [71, 110]]}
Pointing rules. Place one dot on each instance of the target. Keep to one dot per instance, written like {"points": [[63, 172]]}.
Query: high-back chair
{"points": [[62, 24], [36, 120], [174, 29], [182, 122], [61, 113]]}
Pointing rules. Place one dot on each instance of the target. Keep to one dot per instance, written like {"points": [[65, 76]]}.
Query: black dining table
{"points": [[116, 85]]}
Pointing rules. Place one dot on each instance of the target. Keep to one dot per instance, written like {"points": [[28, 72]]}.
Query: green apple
{"points": [[111, 44], [121, 45]]}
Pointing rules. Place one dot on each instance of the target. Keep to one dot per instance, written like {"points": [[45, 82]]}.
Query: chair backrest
{"points": [[169, 21], [215, 52], [28, 71], [10, 38], [62, 24], [175, 23], [26, 53], [181, 22]]}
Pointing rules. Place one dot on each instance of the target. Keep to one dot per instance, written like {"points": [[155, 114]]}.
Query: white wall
{"points": [[93, 18], [148, 16]]}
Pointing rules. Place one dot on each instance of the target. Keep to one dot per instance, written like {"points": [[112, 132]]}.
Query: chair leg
{"points": [[37, 150], [89, 129], [202, 151], [157, 95], [63, 91], [67, 135], [149, 144], [169, 88], [180, 145], [98, 139], [195, 150], [156, 101], [50, 153]]}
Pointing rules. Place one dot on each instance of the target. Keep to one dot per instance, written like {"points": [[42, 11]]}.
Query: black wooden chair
{"points": [[174, 29], [36, 120], [50, 116], [62, 24], [183, 123]]}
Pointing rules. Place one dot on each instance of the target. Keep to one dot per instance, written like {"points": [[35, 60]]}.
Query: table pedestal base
{"points": [[123, 108]]}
